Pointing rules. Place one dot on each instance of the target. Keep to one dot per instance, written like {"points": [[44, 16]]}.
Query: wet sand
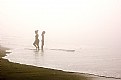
{"points": [[15, 71]]}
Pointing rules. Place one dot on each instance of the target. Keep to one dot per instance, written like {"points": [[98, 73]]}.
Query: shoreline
{"points": [[16, 71]]}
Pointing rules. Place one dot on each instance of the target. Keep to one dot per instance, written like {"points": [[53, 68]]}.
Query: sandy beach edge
{"points": [[15, 71]]}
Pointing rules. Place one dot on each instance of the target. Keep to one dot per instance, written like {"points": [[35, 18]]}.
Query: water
{"points": [[98, 60], [81, 35]]}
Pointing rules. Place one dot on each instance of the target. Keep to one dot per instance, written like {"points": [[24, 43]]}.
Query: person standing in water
{"points": [[36, 42], [42, 40]]}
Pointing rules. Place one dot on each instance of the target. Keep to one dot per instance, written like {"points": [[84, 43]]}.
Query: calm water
{"points": [[90, 28], [98, 60]]}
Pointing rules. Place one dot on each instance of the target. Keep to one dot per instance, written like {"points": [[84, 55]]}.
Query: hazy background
{"points": [[90, 27], [69, 22]]}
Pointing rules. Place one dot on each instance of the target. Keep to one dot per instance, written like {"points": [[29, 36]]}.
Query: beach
{"points": [[76, 39], [16, 71]]}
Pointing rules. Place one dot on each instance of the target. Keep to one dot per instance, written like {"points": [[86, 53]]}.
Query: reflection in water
{"points": [[39, 57], [38, 52], [87, 60]]}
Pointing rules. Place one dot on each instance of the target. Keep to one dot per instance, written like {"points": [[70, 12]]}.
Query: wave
{"points": [[111, 77], [67, 50], [53, 49]]}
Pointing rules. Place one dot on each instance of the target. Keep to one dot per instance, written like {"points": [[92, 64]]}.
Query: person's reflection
{"points": [[38, 58], [38, 53]]}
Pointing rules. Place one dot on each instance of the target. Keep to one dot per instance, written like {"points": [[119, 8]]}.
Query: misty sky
{"points": [[84, 21]]}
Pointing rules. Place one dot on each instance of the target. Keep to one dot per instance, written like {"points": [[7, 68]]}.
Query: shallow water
{"points": [[97, 60], [81, 35], [104, 62]]}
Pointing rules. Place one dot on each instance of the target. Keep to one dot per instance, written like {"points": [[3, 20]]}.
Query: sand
{"points": [[15, 71]]}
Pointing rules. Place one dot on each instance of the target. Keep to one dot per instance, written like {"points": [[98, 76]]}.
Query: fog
{"points": [[82, 22]]}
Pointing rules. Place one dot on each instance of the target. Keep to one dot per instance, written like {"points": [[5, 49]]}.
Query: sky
{"points": [[79, 21]]}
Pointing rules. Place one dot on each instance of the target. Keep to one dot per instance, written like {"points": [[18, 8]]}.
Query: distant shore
{"points": [[15, 71]]}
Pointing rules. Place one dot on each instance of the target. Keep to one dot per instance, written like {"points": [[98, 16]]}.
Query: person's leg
{"points": [[34, 44], [38, 46], [42, 45]]}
